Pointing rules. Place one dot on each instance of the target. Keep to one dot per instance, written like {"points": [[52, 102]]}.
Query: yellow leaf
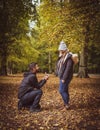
{"points": [[19, 129], [28, 124], [56, 125], [41, 128]]}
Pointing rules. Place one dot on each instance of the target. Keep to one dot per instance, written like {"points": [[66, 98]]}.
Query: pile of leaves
{"points": [[84, 112]]}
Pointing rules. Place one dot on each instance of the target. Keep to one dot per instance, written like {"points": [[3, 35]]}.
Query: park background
{"points": [[31, 30]]}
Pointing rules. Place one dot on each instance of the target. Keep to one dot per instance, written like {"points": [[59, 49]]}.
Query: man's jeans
{"points": [[32, 99], [64, 91]]}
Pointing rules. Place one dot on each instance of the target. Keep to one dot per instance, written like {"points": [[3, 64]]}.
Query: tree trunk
{"points": [[83, 73], [4, 64], [50, 63], [10, 68]]}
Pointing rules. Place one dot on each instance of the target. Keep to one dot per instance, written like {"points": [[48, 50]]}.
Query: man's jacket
{"points": [[29, 83]]}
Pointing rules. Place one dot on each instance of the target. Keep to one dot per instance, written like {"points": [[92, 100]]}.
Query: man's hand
{"points": [[63, 81], [46, 77]]}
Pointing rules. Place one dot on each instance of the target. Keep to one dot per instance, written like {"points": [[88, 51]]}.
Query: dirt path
{"points": [[84, 112]]}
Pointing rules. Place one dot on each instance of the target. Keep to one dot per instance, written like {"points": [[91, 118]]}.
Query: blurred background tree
{"points": [[77, 23], [14, 29]]}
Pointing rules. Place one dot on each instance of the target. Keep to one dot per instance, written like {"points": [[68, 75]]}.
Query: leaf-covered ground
{"points": [[84, 112]]}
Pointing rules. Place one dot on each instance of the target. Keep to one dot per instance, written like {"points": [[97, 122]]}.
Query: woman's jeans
{"points": [[64, 91], [32, 99]]}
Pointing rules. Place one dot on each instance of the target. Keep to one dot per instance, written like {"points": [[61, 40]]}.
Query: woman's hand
{"points": [[63, 81]]}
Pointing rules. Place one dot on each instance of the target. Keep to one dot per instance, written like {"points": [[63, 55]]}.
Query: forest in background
{"points": [[31, 31]]}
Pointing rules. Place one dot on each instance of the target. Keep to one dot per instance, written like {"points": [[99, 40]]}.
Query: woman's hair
{"points": [[32, 65]]}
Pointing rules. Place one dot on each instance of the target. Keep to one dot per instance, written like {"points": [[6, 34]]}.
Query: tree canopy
{"points": [[14, 30], [76, 22]]}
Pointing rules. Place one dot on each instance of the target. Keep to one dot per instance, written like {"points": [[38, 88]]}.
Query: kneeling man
{"points": [[30, 92]]}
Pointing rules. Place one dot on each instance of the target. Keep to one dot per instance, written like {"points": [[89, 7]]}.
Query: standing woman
{"points": [[64, 72]]}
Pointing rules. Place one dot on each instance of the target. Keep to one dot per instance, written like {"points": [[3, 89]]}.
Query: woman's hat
{"points": [[62, 46]]}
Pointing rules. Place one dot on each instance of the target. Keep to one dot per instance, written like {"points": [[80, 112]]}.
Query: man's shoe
{"points": [[35, 110], [38, 107], [20, 106]]}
